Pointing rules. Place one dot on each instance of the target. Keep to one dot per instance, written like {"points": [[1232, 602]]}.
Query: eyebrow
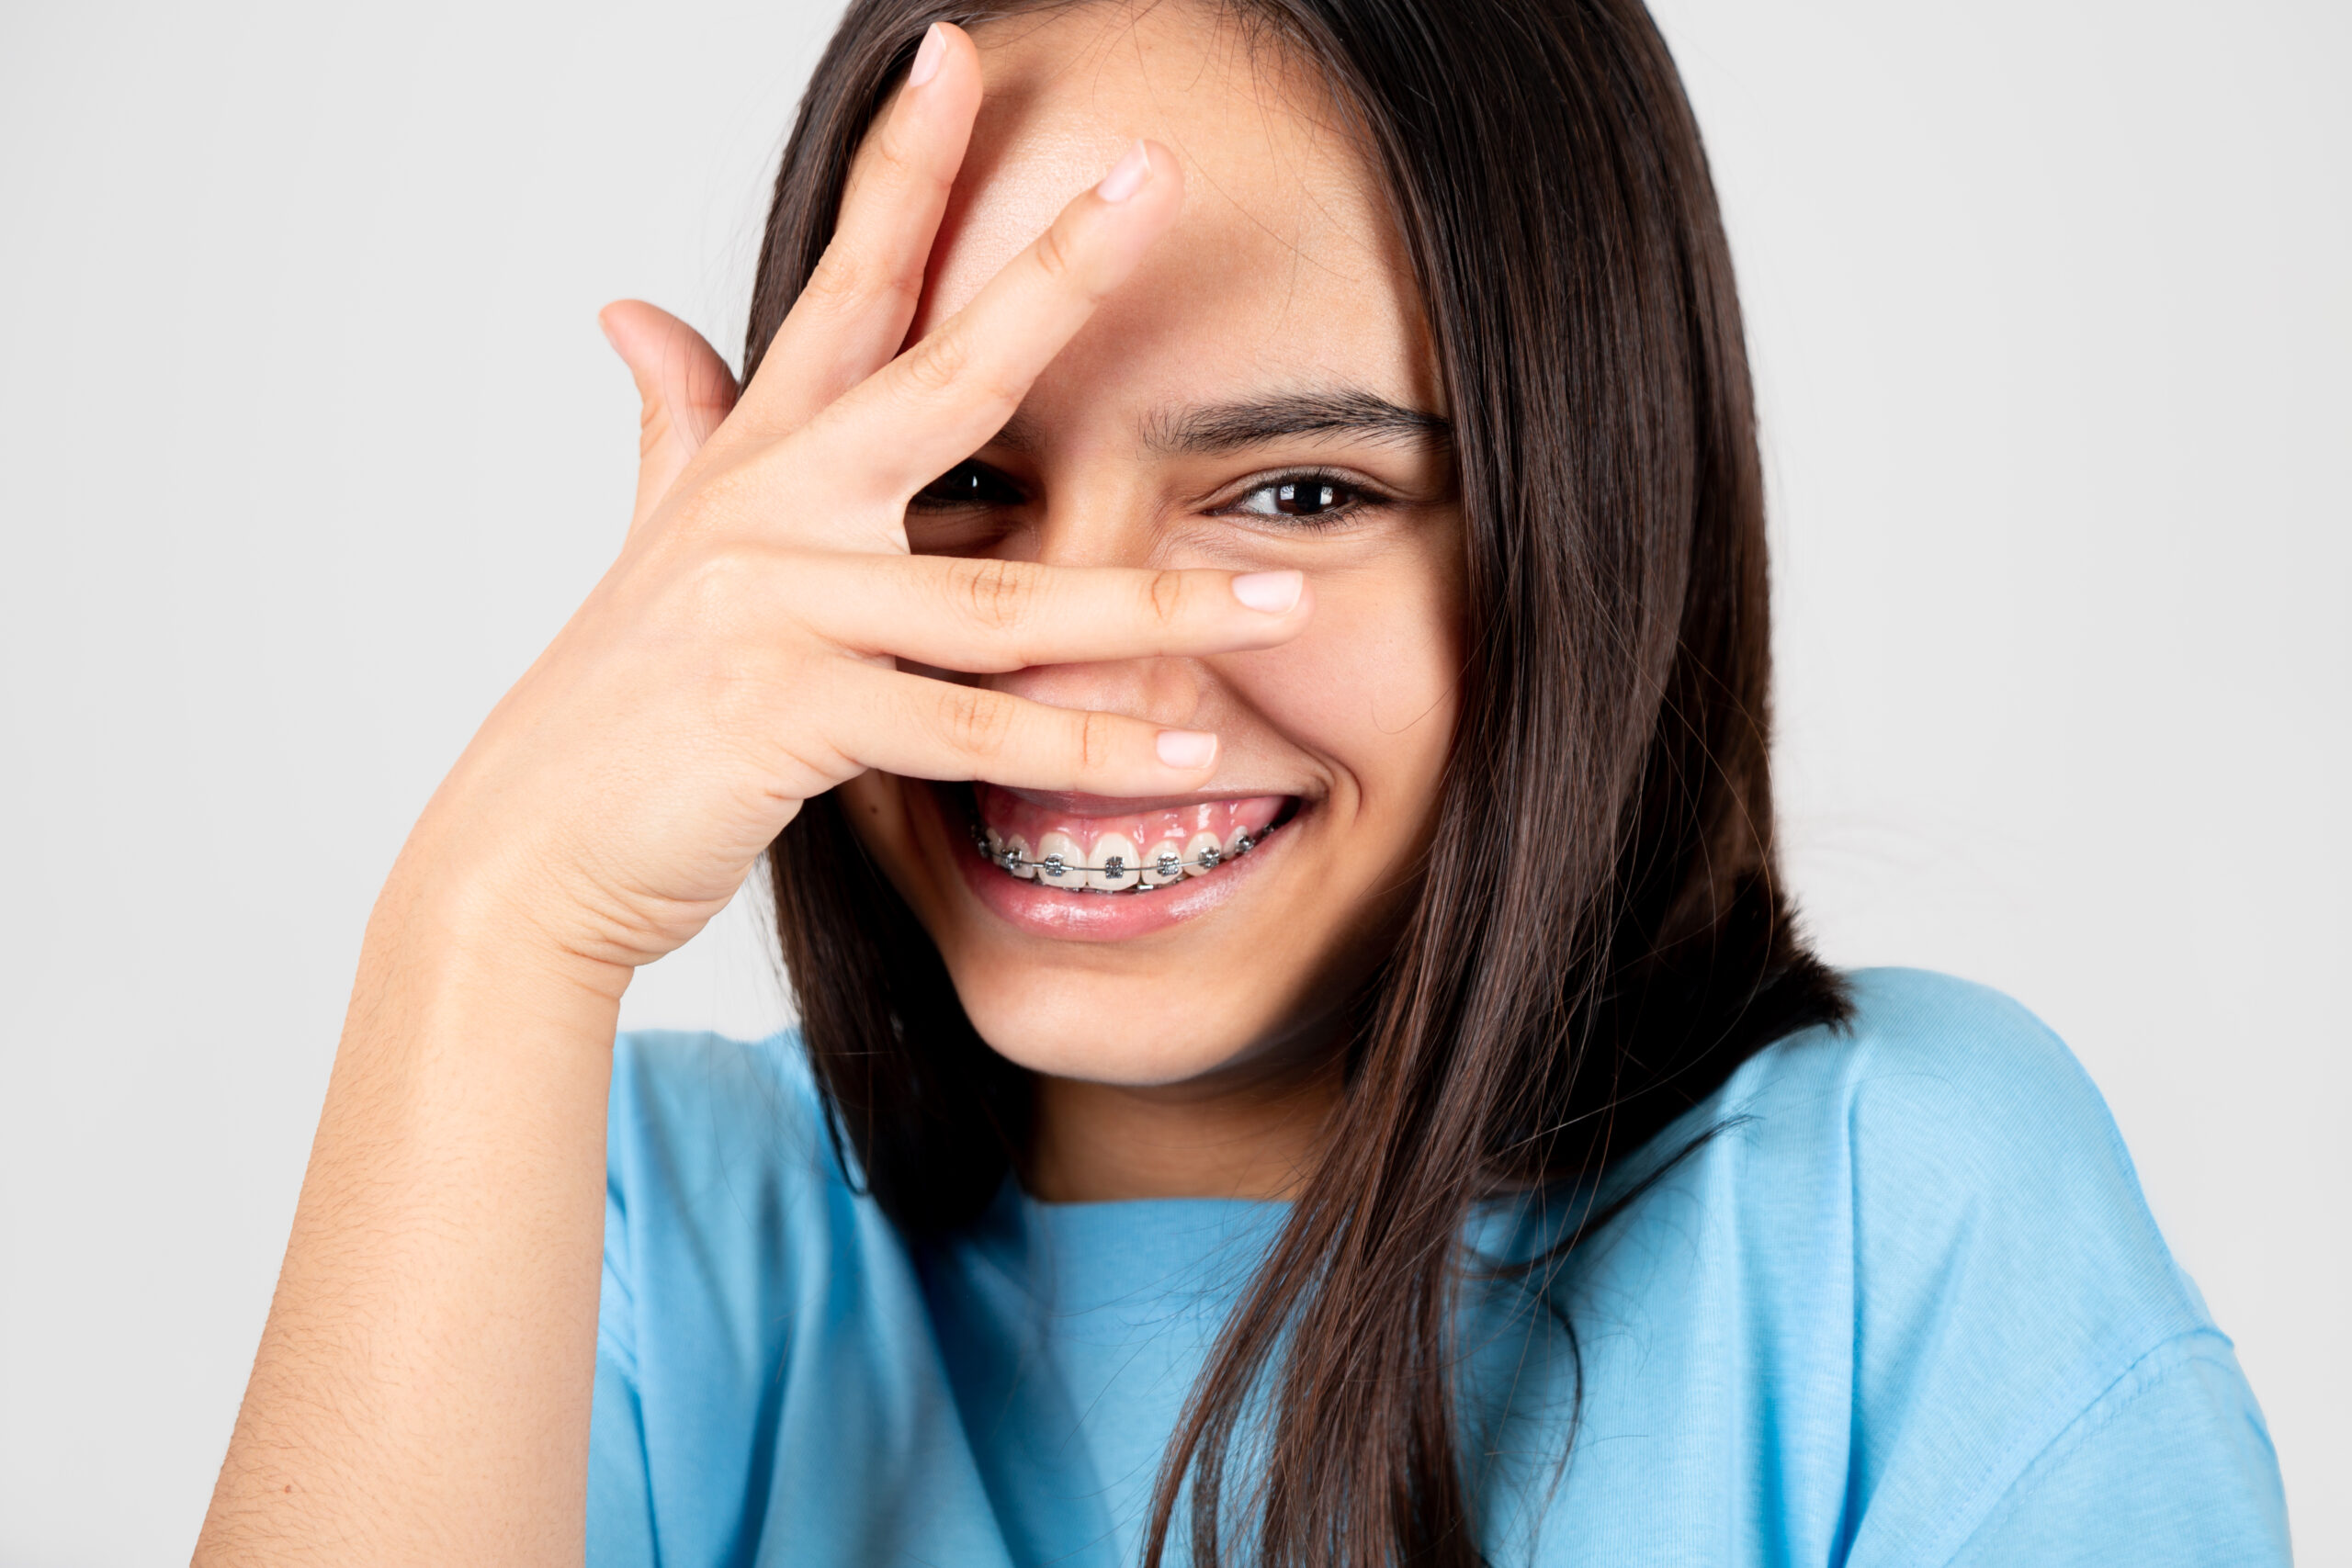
{"points": [[1217, 428], [1227, 427]]}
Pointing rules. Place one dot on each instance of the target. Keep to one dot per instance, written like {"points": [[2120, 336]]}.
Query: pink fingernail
{"points": [[1273, 591], [927, 57], [1126, 175], [1187, 747]]}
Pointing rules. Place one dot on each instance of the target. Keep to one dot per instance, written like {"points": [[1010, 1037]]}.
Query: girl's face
{"points": [[1261, 396]]}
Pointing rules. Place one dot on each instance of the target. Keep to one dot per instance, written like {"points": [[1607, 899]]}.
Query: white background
{"points": [[308, 442]]}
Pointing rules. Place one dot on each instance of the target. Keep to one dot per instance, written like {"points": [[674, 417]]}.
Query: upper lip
{"points": [[1119, 806]]}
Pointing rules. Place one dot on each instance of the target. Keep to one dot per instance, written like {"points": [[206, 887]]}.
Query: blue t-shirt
{"points": [[1907, 1307]]}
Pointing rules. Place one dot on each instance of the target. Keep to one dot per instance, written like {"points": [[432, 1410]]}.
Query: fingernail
{"points": [[1187, 747], [927, 58], [1273, 591], [1126, 175]]}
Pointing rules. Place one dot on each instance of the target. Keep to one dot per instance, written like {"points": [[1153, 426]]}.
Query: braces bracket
{"points": [[1053, 869]]}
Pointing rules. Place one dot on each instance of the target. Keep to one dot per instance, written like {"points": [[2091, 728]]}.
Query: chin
{"points": [[1066, 1035]]}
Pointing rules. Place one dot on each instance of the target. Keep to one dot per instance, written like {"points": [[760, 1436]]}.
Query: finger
{"points": [[686, 389], [990, 616], [943, 399], [923, 728], [853, 316]]}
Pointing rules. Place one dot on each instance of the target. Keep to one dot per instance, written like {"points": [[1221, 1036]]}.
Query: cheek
{"points": [[1373, 684]]}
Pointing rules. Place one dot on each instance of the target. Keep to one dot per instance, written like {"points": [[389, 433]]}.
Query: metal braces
{"points": [[1168, 865]]}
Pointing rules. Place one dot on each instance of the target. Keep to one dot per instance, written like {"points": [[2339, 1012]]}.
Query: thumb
{"points": [[685, 388]]}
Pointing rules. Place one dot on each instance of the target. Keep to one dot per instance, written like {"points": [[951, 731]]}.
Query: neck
{"points": [[1258, 1137]]}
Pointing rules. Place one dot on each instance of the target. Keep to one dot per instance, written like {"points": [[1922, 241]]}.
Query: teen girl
{"points": [[1232, 597]]}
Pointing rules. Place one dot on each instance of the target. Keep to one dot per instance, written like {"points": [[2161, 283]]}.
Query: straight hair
{"points": [[1599, 936]]}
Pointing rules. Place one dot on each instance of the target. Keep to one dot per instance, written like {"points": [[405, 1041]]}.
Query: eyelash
{"points": [[940, 494]]}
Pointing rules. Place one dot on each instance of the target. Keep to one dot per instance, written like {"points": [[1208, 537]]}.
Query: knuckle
{"points": [[716, 583], [893, 161], [653, 427], [1164, 597], [1057, 253], [847, 283], [997, 595], [841, 277], [938, 362], [947, 366], [975, 722], [1097, 741]]}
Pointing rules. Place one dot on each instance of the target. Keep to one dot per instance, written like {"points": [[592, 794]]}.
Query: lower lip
{"points": [[1103, 917]]}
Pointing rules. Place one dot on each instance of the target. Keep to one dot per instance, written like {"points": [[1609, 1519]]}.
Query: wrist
{"points": [[441, 927]]}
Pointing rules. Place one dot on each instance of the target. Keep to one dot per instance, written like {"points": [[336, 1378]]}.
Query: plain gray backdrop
{"points": [[308, 443]]}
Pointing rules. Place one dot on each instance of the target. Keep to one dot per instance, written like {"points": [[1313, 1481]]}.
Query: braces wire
{"points": [[1055, 867]]}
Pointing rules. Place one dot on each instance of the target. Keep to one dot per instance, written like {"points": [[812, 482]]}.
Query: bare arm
{"points": [[422, 1391], [422, 1388]]}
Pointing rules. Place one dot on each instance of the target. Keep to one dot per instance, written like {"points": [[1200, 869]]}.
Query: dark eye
{"points": [[1300, 495], [968, 484]]}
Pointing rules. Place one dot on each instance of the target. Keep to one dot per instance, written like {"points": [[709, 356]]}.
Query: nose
{"points": [[1107, 523], [1163, 691]]}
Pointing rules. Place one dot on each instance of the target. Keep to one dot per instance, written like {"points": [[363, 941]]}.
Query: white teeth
{"points": [[1017, 846], [1061, 858], [1113, 865], [1164, 863], [1201, 854], [1117, 866]]}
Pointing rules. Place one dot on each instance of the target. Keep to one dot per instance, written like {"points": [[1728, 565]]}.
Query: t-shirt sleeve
{"points": [[2170, 1468], [2035, 1378]]}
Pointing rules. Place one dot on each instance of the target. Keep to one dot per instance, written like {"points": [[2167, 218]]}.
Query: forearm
{"points": [[422, 1389]]}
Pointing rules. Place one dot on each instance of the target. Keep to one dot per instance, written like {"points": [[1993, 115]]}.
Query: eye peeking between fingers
{"points": [[1314, 498], [971, 483]]}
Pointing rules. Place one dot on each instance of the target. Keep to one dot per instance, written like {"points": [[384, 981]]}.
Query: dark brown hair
{"points": [[1598, 937]]}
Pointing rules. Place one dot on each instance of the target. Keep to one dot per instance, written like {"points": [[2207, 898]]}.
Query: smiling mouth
{"points": [[1091, 844]]}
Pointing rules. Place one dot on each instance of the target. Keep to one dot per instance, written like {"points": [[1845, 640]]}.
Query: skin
{"points": [[778, 624], [1282, 276]]}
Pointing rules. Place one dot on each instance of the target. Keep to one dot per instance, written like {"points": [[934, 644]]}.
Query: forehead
{"points": [[1285, 267]]}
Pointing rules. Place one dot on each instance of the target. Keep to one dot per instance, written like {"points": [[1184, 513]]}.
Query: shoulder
{"points": [[1887, 1274], [1943, 1165], [1929, 1055], [1941, 1097], [1944, 1123]]}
